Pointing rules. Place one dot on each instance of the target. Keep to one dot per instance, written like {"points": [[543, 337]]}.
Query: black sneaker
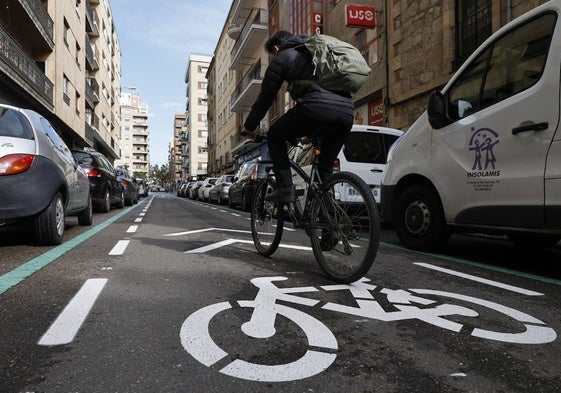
{"points": [[282, 194], [329, 240]]}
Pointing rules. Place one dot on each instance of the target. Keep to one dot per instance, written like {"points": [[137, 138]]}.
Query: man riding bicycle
{"points": [[318, 112]]}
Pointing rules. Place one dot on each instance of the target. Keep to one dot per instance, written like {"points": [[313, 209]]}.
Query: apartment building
{"points": [[194, 151], [222, 122], [180, 129], [50, 62], [134, 135]]}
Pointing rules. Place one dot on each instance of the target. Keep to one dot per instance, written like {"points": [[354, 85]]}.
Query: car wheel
{"points": [[85, 218], [49, 224], [419, 220], [121, 203], [245, 202], [106, 205]]}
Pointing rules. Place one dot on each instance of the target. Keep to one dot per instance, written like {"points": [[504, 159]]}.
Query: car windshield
{"points": [[14, 124]]}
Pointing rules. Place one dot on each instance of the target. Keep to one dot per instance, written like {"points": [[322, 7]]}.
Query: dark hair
{"points": [[277, 39]]}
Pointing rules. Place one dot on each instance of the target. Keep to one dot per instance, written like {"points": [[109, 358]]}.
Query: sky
{"points": [[156, 39]]}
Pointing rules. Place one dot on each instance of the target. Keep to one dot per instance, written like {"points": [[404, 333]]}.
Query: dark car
{"points": [[107, 190], [40, 181], [194, 190], [130, 187], [245, 183]]}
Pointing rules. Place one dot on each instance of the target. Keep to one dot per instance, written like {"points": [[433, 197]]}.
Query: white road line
{"points": [[120, 247], [64, 328], [207, 230], [479, 279], [132, 229], [138, 220]]}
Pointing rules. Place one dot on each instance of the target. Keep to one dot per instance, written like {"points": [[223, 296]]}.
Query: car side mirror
{"points": [[436, 110]]}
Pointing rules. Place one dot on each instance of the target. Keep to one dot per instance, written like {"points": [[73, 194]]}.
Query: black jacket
{"points": [[293, 63]]}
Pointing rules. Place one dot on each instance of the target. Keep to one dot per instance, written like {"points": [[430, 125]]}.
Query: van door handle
{"points": [[530, 127], [377, 170]]}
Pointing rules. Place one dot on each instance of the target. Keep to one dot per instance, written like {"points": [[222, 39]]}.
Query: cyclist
{"points": [[318, 112]]}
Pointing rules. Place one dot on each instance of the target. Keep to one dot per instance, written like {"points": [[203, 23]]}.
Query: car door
{"points": [[489, 163], [76, 179]]}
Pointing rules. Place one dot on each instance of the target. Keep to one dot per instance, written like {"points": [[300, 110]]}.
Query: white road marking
{"points": [[227, 242], [479, 279], [132, 229], [120, 247], [138, 220], [64, 328], [206, 230]]}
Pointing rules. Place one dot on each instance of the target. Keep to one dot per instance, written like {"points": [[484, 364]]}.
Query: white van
{"points": [[364, 154], [486, 155]]}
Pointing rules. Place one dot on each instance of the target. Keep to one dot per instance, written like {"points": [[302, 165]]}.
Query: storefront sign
{"points": [[360, 16], [376, 113]]}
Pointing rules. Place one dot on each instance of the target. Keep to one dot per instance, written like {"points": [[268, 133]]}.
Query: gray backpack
{"points": [[338, 66]]}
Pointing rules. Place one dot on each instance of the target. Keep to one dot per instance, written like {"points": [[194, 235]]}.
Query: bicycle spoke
{"points": [[266, 221], [346, 231]]}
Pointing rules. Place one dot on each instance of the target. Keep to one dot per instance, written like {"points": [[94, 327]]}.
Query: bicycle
{"points": [[339, 215]]}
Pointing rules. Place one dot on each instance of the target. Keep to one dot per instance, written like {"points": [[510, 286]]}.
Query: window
{"points": [[508, 66], [473, 26], [14, 124], [366, 41]]}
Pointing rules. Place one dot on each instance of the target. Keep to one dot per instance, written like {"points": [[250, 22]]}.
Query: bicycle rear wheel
{"points": [[267, 220], [345, 230]]}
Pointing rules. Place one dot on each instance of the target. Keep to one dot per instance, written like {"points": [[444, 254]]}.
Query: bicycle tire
{"points": [[267, 220], [345, 227]]}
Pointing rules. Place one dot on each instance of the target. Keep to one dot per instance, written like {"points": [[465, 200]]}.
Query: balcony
{"points": [[242, 8], [91, 61], [23, 70], [92, 20], [34, 23], [254, 34], [247, 90]]}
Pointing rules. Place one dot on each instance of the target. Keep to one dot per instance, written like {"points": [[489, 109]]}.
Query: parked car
{"points": [[181, 189], [157, 188], [485, 156], [364, 153], [130, 187], [194, 190], [243, 187], [219, 193], [208, 183], [142, 188], [107, 190], [40, 181]]}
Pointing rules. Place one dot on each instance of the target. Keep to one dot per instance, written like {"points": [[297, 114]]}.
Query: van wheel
{"points": [[419, 220], [49, 224]]}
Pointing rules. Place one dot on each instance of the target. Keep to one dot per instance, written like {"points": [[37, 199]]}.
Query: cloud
{"points": [[172, 104]]}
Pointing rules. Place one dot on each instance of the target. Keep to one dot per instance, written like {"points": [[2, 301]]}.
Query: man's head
{"points": [[275, 41]]}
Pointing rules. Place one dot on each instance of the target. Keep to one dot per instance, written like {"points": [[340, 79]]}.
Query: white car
{"points": [[364, 154], [486, 155], [208, 183], [40, 181]]}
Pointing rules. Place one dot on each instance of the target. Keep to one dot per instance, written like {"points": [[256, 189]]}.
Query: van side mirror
{"points": [[436, 110]]}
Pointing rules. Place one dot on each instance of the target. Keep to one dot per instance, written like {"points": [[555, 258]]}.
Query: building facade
{"points": [[62, 59], [194, 149], [413, 48], [134, 140], [180, 132]]}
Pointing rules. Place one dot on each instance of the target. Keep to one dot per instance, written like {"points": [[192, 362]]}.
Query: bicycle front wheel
{"points": [[267, 220], [345, 230]]}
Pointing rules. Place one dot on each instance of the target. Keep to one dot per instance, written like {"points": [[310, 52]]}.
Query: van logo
{"points": [[482, 143], [7, 144]]}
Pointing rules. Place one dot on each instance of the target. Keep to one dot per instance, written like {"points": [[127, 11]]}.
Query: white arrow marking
{"points": [[227, 242]]}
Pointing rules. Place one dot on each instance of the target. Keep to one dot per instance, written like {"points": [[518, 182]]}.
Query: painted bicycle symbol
{"points": [[426, 305]]}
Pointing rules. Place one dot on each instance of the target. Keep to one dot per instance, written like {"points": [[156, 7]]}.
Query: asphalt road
{"points": [[157, 297]]}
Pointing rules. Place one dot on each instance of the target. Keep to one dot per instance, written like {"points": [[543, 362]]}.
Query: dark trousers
{"points": [[332, 126]]}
